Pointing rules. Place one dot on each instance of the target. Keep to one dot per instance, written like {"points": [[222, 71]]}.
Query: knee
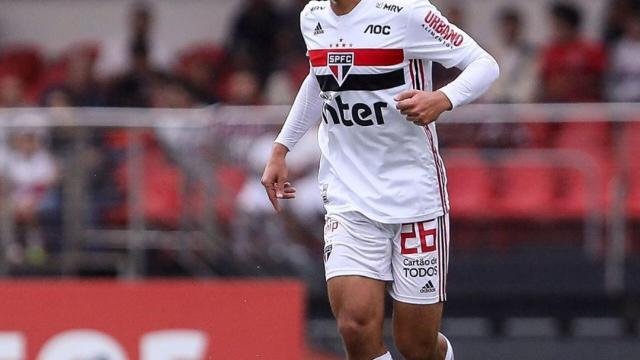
{"points": [[416, 349], [353, 329]]}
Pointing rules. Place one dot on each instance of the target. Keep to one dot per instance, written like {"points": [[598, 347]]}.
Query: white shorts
{"points": [[413, 258]]}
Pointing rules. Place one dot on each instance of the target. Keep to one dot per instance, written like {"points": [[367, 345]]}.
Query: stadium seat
{"points": [[51, 76], [539, 134], [572, 193], [118, 139], [581, 135], [162, 187], [573, 185], [593, 139], [161, 190], [633, 198], [228, 181], [470, 187], [526, 190], [631, 143], [24, 61], [208, 53], [56, 72]]}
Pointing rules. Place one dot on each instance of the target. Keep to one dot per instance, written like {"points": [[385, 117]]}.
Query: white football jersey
{"points": [[374, 161]]}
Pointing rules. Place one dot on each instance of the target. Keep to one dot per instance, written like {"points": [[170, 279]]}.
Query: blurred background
{"points": [[133, 136]]}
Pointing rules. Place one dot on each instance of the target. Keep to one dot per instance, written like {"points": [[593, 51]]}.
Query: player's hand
{"points": [[422, 107], [275, 176]]}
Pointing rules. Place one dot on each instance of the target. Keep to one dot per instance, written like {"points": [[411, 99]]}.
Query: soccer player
{"points": [[381, 177]]}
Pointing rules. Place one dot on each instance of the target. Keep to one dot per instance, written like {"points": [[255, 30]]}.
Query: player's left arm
{"points": [[430, 36]]}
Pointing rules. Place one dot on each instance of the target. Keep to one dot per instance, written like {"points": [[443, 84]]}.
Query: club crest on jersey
{"points": [[340, 64]]}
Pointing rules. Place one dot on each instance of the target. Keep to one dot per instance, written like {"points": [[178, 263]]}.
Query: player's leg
{"points": [[420, 262], [357, 266], [415, 329], [358, 306]]}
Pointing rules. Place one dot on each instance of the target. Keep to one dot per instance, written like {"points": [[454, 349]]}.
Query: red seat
{"points": [[470, 187], [229, 181], [526, 190], [24, 61], [538, 134], [631, 143], [575, 190], [593, 140], [162, 187], [209, 54], [56, 73], [52, 76], [633, 198], [581, 135]]}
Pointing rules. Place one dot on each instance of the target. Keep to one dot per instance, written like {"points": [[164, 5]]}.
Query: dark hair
{"points": [[141, 8], [139, 48], [510, 14], [567, 13]]}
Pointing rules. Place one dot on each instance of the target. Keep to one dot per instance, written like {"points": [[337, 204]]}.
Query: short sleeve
{"points": [[430, 36], [306, 27]]}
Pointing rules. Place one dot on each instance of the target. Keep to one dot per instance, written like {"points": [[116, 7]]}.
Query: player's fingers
{"points": [[406, 95], [409, 112], [280, 185], [405, 105], [289, 192], [271, 192], [424, 120]]}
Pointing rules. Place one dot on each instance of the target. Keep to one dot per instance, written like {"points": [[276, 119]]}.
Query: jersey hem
{"points": [[357, 272], [389, 220], [414, 300]]}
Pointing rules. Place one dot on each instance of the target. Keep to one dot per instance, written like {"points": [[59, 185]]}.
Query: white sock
{"points": [[386, 356], [449, 355]]}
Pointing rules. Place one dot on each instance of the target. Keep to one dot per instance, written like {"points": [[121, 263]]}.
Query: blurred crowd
{"points": [[263, 62]]}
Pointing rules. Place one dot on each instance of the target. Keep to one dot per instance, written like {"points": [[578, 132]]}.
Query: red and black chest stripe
{"points": [[342, 61]]}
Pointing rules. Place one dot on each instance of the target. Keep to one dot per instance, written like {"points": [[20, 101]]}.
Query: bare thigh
{"points": [[416, 327], [358, 305]]}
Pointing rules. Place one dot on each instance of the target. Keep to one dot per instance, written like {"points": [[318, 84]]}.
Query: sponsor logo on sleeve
{"points": [[389, 7], [440, 29]]}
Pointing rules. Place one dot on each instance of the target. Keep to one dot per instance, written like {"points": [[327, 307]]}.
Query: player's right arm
{"points": [[432, 37], [305, 113]]}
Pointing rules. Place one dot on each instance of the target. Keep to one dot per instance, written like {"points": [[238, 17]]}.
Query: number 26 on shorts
{"points": [[418, 238]]}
